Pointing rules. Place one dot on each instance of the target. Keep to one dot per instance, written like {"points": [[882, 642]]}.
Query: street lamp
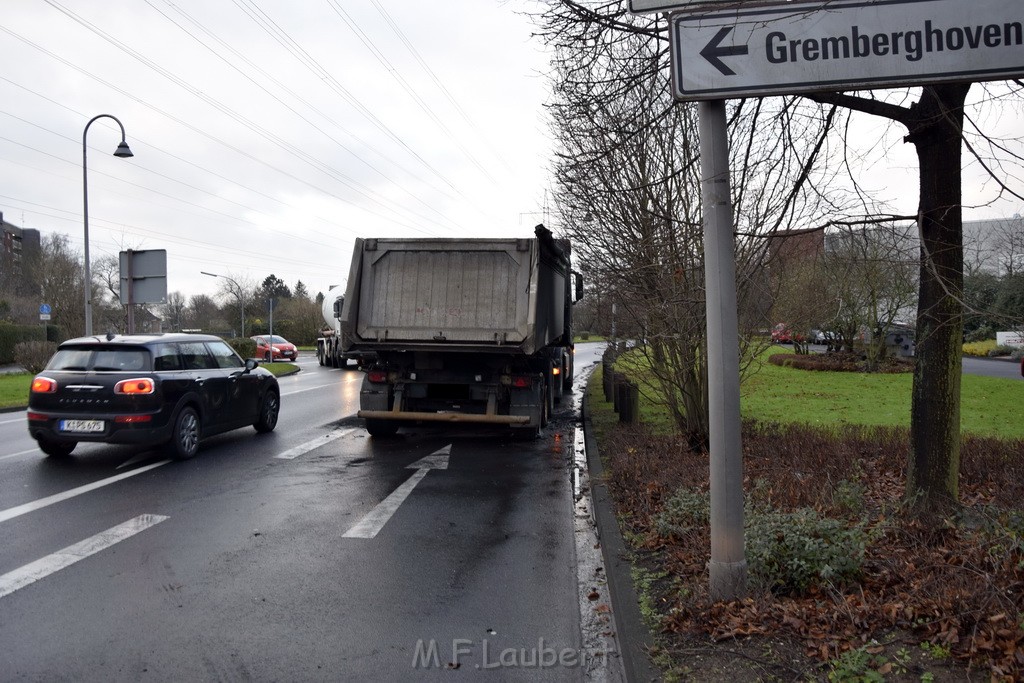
{"points": [[241, 294], [122, 151]]}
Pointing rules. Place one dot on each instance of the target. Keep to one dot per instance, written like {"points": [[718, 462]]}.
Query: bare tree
{"points": [[935, 125], [174, 310], [627, 175]]}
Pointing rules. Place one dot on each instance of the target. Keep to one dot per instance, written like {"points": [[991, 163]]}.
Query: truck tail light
{"points": [[556, 371], [43, 385], [522, 381], [137, 386], [377, 376]]}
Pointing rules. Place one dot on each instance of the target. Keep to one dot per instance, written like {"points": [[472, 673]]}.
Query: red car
{"points": [[272, 348], [781, 334]]}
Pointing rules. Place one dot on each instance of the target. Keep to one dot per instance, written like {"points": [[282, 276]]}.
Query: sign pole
{"points": [[728, 566]]}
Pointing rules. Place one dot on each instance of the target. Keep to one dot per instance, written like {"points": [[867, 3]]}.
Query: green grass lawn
{"points": [[989, 406]]}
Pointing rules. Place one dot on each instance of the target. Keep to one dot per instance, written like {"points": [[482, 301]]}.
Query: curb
{"points": [[635, 639]]}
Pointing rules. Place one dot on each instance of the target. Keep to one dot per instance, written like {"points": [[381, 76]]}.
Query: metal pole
{"points": [[124, 152], [728, 567]]}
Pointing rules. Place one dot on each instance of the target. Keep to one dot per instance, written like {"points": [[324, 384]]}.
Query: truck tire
{"points": [[320, 354], [381, 428]]}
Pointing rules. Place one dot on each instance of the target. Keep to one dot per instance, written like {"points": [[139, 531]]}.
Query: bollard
{"points": [[607, 379], [629, 404]]}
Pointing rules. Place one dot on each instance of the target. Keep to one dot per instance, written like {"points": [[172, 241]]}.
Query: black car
{"points": [[170, 389]]}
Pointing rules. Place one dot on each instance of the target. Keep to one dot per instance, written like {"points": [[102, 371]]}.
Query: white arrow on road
{"points": [[370, 525]]}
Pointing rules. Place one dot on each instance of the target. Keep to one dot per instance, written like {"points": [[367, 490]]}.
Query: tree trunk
{"points": [[934, 466]]}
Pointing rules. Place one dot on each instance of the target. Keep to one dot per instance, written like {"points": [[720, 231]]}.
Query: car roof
{"points": [[139, 339]]}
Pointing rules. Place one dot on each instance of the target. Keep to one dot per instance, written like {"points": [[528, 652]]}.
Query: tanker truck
{"points": [[462, 330], [328, 344]]}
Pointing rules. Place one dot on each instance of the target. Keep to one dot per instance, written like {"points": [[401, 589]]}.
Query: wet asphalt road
{"points": [[271, 557]]}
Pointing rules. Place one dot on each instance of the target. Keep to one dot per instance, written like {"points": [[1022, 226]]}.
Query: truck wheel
{"points": [[381, 428], [320, 355]]}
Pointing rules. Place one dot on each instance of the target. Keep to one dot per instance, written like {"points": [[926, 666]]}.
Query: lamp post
{"points": [[241, 294], [124, 152]]}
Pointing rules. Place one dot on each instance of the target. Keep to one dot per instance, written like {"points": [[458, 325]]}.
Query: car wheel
{"points": [[57, 449], [184, 442], [380, 428], [269, 410]]}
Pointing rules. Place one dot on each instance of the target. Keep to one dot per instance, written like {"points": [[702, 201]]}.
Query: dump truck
{"points": [[462, 330]]}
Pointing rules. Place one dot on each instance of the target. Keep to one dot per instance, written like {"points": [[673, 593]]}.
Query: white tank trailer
{"points": [[473, 330]]}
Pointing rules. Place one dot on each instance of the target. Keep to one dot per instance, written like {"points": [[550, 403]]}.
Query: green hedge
{"points": [[245, 346], [11, 335]]}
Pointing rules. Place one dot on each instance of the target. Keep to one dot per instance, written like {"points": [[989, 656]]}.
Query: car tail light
{"points": [[378, 376], [43, 385], [556, 370], [137, 386], [37, 417], [132, 419], [522, 381]]}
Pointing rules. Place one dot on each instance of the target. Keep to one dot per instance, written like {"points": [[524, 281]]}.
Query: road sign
{"points": [[843, 45], [44, 309], [143, 276]]}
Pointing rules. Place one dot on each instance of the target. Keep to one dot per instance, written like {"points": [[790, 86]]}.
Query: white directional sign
{"points": [[843, 45]]}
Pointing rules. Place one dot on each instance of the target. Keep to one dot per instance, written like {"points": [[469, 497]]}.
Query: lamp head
{"points": [[123, 150]]}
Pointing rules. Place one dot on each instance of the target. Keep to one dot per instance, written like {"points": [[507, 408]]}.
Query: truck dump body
{"points": [[472, 330], [491, 295]]}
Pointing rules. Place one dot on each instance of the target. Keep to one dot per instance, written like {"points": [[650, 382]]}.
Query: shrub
{"points": [[34, 355], [789, 552], [979, 348], [684, 512], [245, 346], [1000, 351]]}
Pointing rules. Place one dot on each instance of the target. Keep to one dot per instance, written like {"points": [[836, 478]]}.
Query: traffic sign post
{"points": [[801, 47]]}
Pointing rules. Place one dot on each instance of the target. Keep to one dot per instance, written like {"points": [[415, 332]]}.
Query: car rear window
{"points": [[101, 359]]}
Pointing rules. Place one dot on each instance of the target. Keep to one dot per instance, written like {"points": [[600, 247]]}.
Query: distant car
{"points": [[171, 390], [781, 334], [272, 347], [822, 336]]}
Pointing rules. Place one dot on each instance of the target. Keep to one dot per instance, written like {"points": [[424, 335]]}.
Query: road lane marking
{"points": [[11, 513], [302, 449], [14, 455], [370, 525], [14, 421], [43, 567], [318, 386]]}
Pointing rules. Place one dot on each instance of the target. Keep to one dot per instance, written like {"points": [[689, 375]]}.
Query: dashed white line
{"points": [[302, 449], [15, 455], [43, 567], [11, 513]]}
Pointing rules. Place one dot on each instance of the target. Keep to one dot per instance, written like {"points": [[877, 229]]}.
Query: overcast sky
{"points": [[267, 135]]}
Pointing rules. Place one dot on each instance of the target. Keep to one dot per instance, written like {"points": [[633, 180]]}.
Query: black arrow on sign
{"points": [[712, 51]]}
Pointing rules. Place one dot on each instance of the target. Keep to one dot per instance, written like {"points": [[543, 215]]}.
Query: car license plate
{"points": [[81, 425]]}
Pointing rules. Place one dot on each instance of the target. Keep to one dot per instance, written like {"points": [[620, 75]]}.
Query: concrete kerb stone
{"points": [[635, 639]]}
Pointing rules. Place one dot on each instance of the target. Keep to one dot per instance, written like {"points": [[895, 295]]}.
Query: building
{"points": [[17, 243]]}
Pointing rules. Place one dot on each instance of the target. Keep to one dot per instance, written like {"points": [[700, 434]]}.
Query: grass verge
{"points": [[843, 587]]}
